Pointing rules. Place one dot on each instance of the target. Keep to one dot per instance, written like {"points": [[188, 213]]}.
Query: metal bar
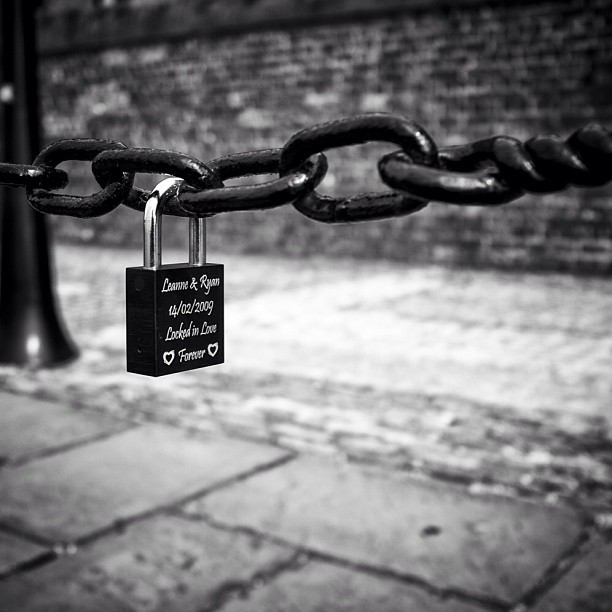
{"points": [[31, 330], [197, 241], [153, 220]]}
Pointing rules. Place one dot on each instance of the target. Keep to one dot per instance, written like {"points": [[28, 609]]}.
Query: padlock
{"points": [[174, 311]]}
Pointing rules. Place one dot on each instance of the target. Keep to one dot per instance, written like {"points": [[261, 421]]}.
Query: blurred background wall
{"points": [[215, 77]]}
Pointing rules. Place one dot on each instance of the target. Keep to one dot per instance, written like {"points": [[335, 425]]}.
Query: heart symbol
{"points": [[168, 357], [213, 348]]}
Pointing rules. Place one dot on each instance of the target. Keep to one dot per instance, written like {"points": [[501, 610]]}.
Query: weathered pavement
{"points": [[473, 409]]}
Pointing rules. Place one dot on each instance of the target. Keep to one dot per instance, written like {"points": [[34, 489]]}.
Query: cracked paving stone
{"points": [[163, 564], [485, 545], [15, 551], [319, 587], [67, 496], [31, 426], [586, 588]]}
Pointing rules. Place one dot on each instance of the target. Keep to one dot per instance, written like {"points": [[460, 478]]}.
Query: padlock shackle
{"points": [[169, 188], [197, 241]]}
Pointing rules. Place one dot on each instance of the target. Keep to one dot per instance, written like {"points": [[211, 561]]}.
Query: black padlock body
{"points": [[174, 318]]}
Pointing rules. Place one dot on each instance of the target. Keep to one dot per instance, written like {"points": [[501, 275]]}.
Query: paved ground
{"points": [[381, 438]]}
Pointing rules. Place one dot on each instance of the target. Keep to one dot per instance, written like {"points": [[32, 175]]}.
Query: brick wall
{"points": [[227, 77]]}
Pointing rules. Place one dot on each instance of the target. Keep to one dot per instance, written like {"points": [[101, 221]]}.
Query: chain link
{"points": [[501, 169], [287, 188], [156, 161], [116, 185], [21, 175], [487, 172]]}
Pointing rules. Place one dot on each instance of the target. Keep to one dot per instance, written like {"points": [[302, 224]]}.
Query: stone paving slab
{"points": [[67, 496], [586, 588], [318, 587], [163, 564], [31, 426], [14, 551], [489, 546]]}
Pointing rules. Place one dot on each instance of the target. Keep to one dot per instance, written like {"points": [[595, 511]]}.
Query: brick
{"points": [[163, 564], [14, 551], [334, 589], [587, 586], [496, 547], [65, 497], [31, 426]]}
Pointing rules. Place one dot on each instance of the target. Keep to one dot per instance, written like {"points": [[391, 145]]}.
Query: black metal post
{"points": [[31, 332]]}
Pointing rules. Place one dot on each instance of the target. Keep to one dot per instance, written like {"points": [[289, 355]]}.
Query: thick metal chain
{"points": [[483, 173]]}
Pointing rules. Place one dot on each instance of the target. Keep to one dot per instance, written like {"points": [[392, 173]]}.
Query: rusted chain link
{"points": [[488, 172]]}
